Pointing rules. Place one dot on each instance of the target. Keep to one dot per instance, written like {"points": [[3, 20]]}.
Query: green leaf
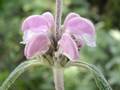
{"points": [[18, 71], [99, 77]]}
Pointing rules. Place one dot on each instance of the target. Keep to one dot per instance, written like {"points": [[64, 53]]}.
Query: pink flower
{"points": [[36, 29], [38, 35]]}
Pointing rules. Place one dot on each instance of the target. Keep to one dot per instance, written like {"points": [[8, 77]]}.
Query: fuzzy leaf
{"points": [[101, 82], [18, 71]]}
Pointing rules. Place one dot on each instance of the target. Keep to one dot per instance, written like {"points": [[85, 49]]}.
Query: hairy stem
{"points": [[58, 18], [58, 71], [58, 78]]}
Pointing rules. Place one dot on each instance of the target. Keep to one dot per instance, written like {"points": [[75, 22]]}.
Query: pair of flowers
{"points": [[38, 35]]}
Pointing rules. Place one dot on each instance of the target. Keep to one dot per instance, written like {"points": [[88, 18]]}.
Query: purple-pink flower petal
{"points": [[68, 47], [49, 17], [83, 28], [38, 45], [70, 16], [27, 36], [35, 23]]}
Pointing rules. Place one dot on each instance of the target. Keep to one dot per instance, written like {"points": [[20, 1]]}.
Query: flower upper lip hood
{"points": [[81, 28], [38, 35], [36, 29]]}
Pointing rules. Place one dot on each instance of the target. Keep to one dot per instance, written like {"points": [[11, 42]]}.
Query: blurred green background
{"points": [[106, 56]]}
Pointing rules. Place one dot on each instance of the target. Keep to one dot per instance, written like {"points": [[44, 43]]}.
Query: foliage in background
{"points": [[106, 56]]}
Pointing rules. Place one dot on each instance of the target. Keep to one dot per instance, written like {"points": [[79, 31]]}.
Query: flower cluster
{"points": [[38, 35]]}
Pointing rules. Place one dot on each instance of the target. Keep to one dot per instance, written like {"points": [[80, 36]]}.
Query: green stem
{"points": [[18, 71], [58, 71], [58, 78], [58, 17]]}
